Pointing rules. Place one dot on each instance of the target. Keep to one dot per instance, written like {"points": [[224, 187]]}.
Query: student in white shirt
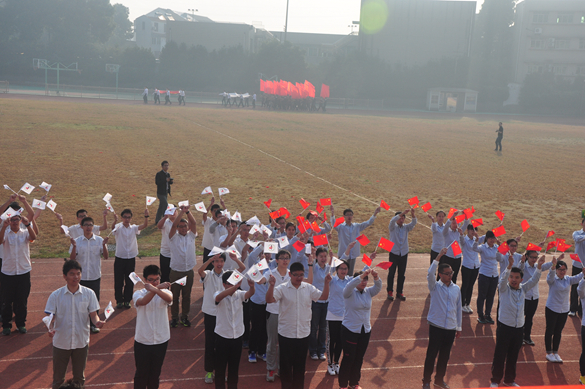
{"points": [[126, 252], [335, 311], [183, 259], [164, 225], [208, 237], [437, 230], [229, 330], [532, 296], [469, 265], [88, 249], [70, 329], [77, 230], [488, 276], [318, 337], [152, 334], [294, 322], [399, 254]]}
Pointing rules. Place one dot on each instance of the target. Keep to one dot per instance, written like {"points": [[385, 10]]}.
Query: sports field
{"points": [[86, 149]]}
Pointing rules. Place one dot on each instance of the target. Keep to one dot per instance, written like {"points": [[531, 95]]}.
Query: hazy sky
{"points": [[320, 16]]}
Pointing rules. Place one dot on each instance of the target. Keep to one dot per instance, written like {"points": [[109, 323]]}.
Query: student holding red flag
{"points": [[348, 231], [532, 296], [318, 337], [437, 228], [488, 276], [399, 254], [579, 239], [469, 265], [451, 233], [557, 306]]}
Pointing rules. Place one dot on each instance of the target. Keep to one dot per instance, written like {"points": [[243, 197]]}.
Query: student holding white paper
{"points": [[164, 225]]}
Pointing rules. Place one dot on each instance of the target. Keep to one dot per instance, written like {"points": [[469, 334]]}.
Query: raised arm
{"points": [[176, 223], [325, 292], [192, 221], [104, 225], [227, 292], [145, 224], [202, 268]]}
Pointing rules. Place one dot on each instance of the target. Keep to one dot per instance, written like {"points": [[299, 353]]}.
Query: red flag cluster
{"points": [[296, 90]]}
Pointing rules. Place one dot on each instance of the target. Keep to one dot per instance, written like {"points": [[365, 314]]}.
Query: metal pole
{"points": [[286, 21], [46, 85], [116, 85], [58, 78]]}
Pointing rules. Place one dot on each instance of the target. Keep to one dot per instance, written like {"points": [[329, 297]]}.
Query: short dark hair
{"points": [[80, 211], [214, 207], [489, 234], [127, 210], [397, 213], [343, 262], [529, 253], [561, 263], [441, 211], [471, 227], [71, 265], [14, 205], [283, 252], [358, 273], [279, 218], [150, 270], [297, 266], [289, 224], [443, 266], [510, 241], [347, 211], [517, 270], [163, 163], [217, 212], [226, 276], [86, 219], [321, 250]]}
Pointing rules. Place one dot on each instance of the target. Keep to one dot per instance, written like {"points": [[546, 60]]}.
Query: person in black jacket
{"points": [[500, 132], [163, 188]]}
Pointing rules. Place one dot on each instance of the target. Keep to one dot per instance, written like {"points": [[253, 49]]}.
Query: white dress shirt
{"points": [[229, 322], [212, 282], [511, 307], [445, 308], [183, 256], [71, 314], [294, 317], [534, 294], [358, 305], [152, 319], [438, 240], [16, 259], [274, 308], [126, 243], [89, 256], [489, 261], [559, 290], [347, 233], [75, 231], [579, 238], [165, 246]]}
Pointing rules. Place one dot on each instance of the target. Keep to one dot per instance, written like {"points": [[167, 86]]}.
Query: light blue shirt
{"points": [[399, 235], [534, 294], [581, 292], [348, 233], [489, 263], [319, 275], [445, 309], [451, 236], [579, 238], [336, 301], [511, 312], [470, 257], [438, 240], [503, 260], [560, 290], [358, 305]]}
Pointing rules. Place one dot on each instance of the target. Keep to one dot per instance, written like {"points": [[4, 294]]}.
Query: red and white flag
{"points": [[216, 250], [233, 250], [52, 205], [237, 216], [46, 186], [107, 198], [170, 210], [201, 207], [252, 243], [109, 310], [283, 241], [223, 191], [184, 203], [66, 230], [134, 278], [150, 200], [271, 247], [181, 281], [27, 188], [207, 191], [262, 265], [39, 204], [255, 274], [235, 277]]}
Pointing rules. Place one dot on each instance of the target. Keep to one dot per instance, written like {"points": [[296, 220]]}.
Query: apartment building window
{"points": [[540, 18], [155, 40], [565, 19], [537, 44], [155, 27], [562, 44]]}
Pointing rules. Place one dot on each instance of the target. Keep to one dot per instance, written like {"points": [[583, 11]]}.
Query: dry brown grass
{"points": [[86, 150]]}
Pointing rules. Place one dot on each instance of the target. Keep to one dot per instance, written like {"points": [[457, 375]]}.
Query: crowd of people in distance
{"points": [[281, 293], [156, 96]]}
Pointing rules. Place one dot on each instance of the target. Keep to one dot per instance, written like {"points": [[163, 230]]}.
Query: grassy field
{"points": [[86, 149]]}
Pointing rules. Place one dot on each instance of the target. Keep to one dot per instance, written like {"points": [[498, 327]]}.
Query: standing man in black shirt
{"points": [[163, 188], [500, 132]]}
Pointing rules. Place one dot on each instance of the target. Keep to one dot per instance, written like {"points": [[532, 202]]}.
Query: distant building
{"points": [[549, 37], [318, 47], [419, 31], [160, 26]]}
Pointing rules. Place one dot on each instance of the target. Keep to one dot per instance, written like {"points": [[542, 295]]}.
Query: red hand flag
{"points": [[575, 257], [320, 240], [534, 247], [384, 205], [302, 228], [560, 240], [549, 234], [468, 212], [551, 245], [299, 246], [459, 218], [426, 207], [524, 225], [338, 221], [503, 249], [325, 216], [451, 212], [385, 244], [304, 203], [267, 203], [319, 208], [477, 222], [384, 265], [364, 241], [367, 260], [284, 212], [413, 201], [300, 219], [324, 91], [562, 247], [499, 231], [500, 215], [274, 215], [315, 227], [456, 248], [326, 201]]}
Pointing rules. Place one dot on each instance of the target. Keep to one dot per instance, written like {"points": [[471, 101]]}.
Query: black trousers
{"points": [[434, 255], [455, 264], [15, 292], [162, 206], [354, 349], [398, 261], [246, 314], [293, 357], [499, 143], [258, 335], [165, 268], [123, 285], [318, 336], [508, 345], [575, 302], [468, 278], [440, 343], [555, 322], [530, 307], [149, 360], [582, 358], [486, 290], [335, 343], [228, 353], [209, 323]]}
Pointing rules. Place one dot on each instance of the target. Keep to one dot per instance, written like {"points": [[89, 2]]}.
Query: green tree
{"points": [[122, 26], [281, 59]]}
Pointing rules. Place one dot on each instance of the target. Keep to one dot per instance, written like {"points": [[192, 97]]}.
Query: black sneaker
{"points": [[402, 297], [481, 320], [174, 323], [442, 385], [529, 342], [391, 296], [489, 319], [186, 322], [120, 305], [126, 305]]}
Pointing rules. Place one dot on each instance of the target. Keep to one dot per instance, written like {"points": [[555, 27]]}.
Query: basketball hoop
{"points": [[112, 68]]}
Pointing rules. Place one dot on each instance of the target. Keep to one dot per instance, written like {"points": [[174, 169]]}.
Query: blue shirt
{"points": [[489, 263], [399, 235], [503, 260], [511, 311], [445, 309], [534, 294], [336, 300], [451, 236], [470, 257], [438, 240], [348, 233], [358, 305], [579, 238], [319, 275], [581, 293], [559, 290]]}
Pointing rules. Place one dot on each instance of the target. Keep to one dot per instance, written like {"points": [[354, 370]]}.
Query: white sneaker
{"points": [[551, 358], [464, 309], [469, 310], [337, 368], [572, 314], [558, 358], [514, 384], [493, 385], [331, 370]]}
